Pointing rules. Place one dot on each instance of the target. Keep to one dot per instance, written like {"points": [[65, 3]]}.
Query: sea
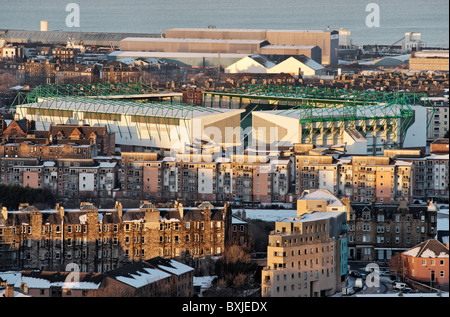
{"points": [[382, 22]]}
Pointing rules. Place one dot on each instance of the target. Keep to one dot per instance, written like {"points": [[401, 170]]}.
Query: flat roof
{"points": [[314, 216], [137, 54], [245, 30], [190, 40], [298, 47]]}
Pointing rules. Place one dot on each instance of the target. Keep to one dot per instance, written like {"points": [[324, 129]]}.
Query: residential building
{"points": [[102, 240], [154, 277], [438, 117], [150, 278], [64, 55], [34, 283], [430, 171], [377, 231], [427, 263], [239, 233], [306, 255]]}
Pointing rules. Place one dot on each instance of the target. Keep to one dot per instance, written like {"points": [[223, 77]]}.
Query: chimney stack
{"points": [[60, 209], [9, 291], [5, 213], [119, 209], [181, 210]]}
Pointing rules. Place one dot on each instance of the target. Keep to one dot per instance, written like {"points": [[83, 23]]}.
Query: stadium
{"points": [[325, 116], [138, 115]]}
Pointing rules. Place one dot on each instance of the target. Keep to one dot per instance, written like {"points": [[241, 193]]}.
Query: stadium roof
{"points": [[115, 107]]}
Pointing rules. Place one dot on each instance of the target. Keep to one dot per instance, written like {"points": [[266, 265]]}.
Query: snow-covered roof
{"points": [[314, 216], [237, 221], [16, 294], [428, 249], [48, 279], [143, 277], [176, 268]]}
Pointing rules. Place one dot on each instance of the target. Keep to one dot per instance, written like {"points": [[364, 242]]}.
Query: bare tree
{"points": [[7, 81]]}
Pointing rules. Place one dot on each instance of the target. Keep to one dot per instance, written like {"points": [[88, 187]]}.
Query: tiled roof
{"points": [[428, 249]]}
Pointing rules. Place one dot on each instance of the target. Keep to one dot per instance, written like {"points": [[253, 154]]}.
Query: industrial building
{"points": [[191, 45], [437, 60], [294, 65], [327, 41], [60, 37], [183, 58]]}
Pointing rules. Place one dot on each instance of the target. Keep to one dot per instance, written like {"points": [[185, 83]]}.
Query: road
{"points": [[370, 285]]}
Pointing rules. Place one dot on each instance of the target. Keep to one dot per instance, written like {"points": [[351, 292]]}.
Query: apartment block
{"points": [[430, 171], [360, 178], [304, 256], [199, 177]]}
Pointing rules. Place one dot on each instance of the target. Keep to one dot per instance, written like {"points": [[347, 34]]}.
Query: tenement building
{"points": [[102, 240], [377, 231]]}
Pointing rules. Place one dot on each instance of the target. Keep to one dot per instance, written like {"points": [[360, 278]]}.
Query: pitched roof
{"points": [[46, 279], [428, 249], [169, 265], [308, 62], [137, 274]]}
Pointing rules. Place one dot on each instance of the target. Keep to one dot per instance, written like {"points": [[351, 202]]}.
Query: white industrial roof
{"points": [[337, 112], [128, 107]]}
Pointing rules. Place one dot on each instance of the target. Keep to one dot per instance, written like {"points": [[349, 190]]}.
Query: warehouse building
{"points": [[327, 41], [61, 37], [191, 45], [437, 60], [281, 52], [183, 58], [294, 65]]}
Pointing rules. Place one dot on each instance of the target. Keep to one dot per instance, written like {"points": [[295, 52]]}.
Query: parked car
{"points": [[399, 285], [347, 291], [359, 283], [355, 274], [384, 272], [406, 290]]}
